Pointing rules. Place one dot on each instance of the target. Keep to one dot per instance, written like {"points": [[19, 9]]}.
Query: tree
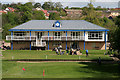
{"points": [[38, 15], [26, 16], [48, 5], [67, 7], [62, 13], [13, 5], [117, 21], [25, 9], [37, 5], [115, 36], [54, 16], [90, 6], [29, 5], [115, 39], [58, 5], [85, 11], [6, 31], [11, 17], [4, 6]]}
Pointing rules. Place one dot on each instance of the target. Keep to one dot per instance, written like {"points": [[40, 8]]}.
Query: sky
{"points": [[59, 0], [73, 3]]}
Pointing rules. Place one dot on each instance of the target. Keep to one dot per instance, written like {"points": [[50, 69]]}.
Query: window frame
{"points": [[95, 35]]}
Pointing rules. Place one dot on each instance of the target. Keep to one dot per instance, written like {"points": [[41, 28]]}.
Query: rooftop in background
{"points": [[53, 11], [10, 9], [65, 25], [73, 10]]}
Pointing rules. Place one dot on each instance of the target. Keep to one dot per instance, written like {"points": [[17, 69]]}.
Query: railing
{"points": [[63, 38], [21, 37], [40, 44]]}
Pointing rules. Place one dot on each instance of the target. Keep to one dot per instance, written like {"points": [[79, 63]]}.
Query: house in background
{"points": [[53, 11], [3, 11], [73, 13], [48, 34], [110, 13], [9, 9], [44, 11]]}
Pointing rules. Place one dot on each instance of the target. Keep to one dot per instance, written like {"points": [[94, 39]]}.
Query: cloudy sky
{"points": [[59, 0], [72, 3]]}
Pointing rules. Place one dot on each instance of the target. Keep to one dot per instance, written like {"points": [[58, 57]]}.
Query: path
{"points": [[64, 61]]}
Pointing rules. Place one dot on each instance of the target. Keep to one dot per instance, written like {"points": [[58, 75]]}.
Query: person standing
{"points": [[67, 51], [86, 53], [56, 51], [99, 61]]}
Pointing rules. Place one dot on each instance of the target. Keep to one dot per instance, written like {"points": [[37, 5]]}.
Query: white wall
{"points": [[86, 37]]}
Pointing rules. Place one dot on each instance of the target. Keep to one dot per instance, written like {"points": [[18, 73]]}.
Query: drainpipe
{"points": [[84, 40], [66, 40], [105, 39], [48, 40], [30, 40], [11, 40]]}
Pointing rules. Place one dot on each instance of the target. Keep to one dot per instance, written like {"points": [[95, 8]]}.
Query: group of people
{"points": [[71, 51], [58, 50], [3, 47]]}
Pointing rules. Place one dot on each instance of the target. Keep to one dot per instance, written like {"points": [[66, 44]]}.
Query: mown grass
{"points": [[27, 54], [60, 70]]}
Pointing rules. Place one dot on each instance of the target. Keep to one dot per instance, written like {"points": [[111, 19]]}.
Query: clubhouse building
{"points": [[48, 34]]}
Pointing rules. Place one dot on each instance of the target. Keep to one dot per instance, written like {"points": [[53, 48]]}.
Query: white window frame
{"points": [[95, 35], [20, 33]]}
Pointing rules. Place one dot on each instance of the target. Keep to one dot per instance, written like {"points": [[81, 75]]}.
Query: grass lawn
{"points": [[27, 54], [13, 69]]}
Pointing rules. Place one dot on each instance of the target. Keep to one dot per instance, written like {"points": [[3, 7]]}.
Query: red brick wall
{"points": [[19, 45], [88, 45]]}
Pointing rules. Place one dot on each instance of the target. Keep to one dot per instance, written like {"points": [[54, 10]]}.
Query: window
{"points": [[57, 34], [19, 33], [94, 35], [75, 34]]}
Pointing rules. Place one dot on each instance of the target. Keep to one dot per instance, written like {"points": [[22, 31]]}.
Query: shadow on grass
{"points": [[103, 70], [60, 79]]}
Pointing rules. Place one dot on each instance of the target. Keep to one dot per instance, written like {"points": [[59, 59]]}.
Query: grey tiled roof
{"points": [[65, 25]]}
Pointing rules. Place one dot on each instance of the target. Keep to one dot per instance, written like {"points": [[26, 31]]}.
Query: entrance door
{"points": [[39, 35]]}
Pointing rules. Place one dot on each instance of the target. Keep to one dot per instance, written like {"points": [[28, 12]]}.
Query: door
{"points": [[39, 35]]}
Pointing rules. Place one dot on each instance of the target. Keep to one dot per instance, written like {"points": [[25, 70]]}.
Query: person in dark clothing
{"points": [[75, 53], [71, 52], [67, 51], [99, 61], [86, 53]]}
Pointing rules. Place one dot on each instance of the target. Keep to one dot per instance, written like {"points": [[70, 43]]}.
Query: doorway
{"points": [[75, 45], [39, 35]]}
